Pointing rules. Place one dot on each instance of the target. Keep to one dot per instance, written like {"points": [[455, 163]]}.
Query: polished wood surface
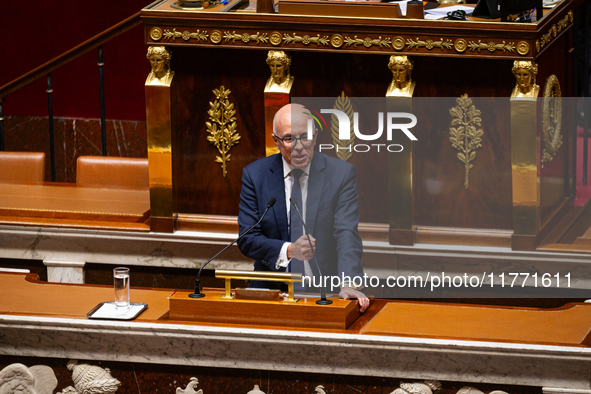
{"points": [[198, 184], [68, 205], [462, 236], [487, 203], [340, 8], [569, 325], [22, 294], [303, 313]]}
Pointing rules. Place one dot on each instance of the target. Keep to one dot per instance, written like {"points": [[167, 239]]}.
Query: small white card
{"points": [[108, 310]]}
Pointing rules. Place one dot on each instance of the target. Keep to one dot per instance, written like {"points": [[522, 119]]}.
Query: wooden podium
{"points": [[305, 313], [331, 55]]}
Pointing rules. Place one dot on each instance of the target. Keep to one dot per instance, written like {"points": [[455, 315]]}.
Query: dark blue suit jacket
{"points": [[332, 215]]}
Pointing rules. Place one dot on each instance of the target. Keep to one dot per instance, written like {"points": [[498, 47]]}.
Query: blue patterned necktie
{"points": [[296, 226]]}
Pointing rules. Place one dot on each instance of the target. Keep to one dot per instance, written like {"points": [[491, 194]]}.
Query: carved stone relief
{"points": [[191, 388], [473, 390], [427, 387], [17, 378], [90, 379], [256, 390]]}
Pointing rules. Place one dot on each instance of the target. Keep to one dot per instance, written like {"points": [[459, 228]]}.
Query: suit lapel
{"points": [[277, 190], [315, 187]]}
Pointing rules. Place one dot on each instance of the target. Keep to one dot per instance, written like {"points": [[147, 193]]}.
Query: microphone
{"points": [[198, 293], [322, 300]]}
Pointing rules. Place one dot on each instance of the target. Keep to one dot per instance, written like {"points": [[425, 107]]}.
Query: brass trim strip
{"points": [[344, 41], [554, 31], [258, 275], [524, 164]]}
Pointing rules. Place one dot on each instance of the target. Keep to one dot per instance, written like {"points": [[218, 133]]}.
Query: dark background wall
{"points": [[35, 32]]}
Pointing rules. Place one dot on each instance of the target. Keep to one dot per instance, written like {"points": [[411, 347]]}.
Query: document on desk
{"points": [[441, 12], [401, 5]]}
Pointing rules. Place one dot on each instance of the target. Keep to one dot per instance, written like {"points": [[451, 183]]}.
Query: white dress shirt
{"points": [[288, 179]]}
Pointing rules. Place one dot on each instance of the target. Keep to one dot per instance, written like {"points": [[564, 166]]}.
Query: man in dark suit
{"points": [[328, 193]]}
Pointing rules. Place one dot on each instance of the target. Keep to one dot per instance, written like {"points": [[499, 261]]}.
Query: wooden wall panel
{"points": [[329, 74], [199, 187], [554, 175], [198, 184], [440, 196]]}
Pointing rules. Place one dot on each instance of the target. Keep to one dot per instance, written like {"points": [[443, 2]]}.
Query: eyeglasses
{"points": [[290, 141]]}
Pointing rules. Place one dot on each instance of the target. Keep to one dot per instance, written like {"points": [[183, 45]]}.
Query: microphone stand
{"points": [[198, 293], [322, 300]]}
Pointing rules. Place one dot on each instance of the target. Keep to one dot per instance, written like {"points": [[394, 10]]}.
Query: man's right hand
{"points": [[300, 249]]}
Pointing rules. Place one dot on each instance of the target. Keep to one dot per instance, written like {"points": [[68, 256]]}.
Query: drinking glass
{"points": [[121, 283]]}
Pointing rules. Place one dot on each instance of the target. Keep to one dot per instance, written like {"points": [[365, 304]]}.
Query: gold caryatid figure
{"points": [[402, 84], [525, 72], [280, 80], [159, 58]]}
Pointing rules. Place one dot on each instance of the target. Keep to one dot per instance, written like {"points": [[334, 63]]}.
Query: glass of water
{"points": [[121, 282]]}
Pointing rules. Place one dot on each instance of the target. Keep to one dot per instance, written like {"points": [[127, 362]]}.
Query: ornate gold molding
{"points": [[246, 37], [222, 126], [522, 48], [156, 33], [398, 43], [306, 39], [368, 42], [280, 80], [275, 38], [491, 46], [185, 35], [429, 44], [340, 40], [460, 45], [554, 30], [344, 148], [551, 119], [159, 57], [216, 36], [336, 40], [464, 134]]}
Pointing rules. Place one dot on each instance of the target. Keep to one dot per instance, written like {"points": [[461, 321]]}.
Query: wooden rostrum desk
{"points": [[70, 206], [332, 55], [543, 348]]}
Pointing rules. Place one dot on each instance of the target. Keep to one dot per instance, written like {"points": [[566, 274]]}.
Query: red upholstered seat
{"points": [[113, 172], [18, 167]]}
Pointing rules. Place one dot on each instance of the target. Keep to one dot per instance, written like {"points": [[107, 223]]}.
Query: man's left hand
{"points": [[361, 299]]}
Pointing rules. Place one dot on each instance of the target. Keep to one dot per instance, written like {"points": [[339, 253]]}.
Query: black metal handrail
{"points": [[59, 61]]}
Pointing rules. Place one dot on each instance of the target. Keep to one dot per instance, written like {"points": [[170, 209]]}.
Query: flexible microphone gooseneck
{"points": [[198, 293], [322, 300]]}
